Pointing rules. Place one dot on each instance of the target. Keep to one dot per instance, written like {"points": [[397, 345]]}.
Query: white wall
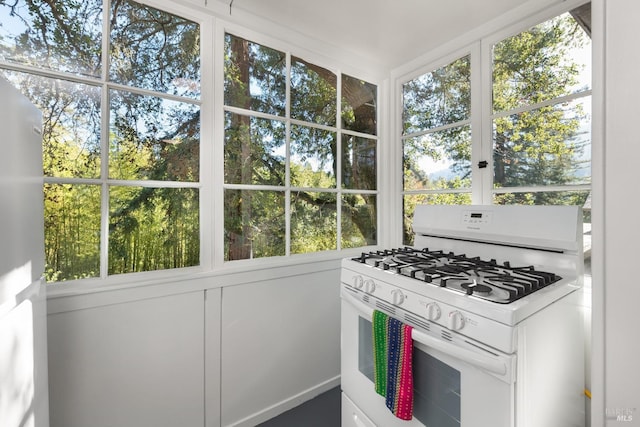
{"points": [[151, 356], [280, 342], [616, 347]]}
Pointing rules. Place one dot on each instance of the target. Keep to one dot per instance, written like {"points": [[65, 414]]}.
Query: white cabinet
{"points": [[23, 337], [23, 359], [21, 199]]}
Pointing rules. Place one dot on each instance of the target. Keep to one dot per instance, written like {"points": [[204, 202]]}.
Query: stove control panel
{"points": [[476, 218], [374, 284]]}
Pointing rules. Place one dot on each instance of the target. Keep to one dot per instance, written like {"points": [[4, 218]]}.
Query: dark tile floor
{"points": [[321, 411]]}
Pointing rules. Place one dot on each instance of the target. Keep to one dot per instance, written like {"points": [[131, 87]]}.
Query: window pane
{"points": [[438, 160], [71, 123], [437, 98], [153, 229], [254, 224], [313, 93], [359, 220], [550, 60], [153, 138], [72, 231], [57, 35], [546, 146], [312, 157], [154, 50], [254, 150], [359, 163], [313, 222], [412, 200], [254, 76], [359, 105]]}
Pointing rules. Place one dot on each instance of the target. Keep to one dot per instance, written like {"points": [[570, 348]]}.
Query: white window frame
{"points": [[204, 184], [478, 45], [211, 180], [487, 44], [219, 262]]}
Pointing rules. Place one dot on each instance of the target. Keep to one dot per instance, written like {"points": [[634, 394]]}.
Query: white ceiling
{"points": [[388, 32]]}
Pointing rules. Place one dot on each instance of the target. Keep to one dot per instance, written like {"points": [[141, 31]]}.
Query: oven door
{"points": [[454, 385]]}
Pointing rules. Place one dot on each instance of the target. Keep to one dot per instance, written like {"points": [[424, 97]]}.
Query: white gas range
{"points": [[493, 296]]}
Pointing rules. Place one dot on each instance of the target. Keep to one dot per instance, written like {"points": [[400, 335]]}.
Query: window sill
{"points": [[88, 293]]}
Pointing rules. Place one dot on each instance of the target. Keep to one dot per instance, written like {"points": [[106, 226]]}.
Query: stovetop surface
{"points": [[489, 280]]}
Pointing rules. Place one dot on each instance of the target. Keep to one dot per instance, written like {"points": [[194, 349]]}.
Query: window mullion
{"points": [[338, 161], [483, 193], [537, 106], [104, 142], [287, 181], [437, 129]]}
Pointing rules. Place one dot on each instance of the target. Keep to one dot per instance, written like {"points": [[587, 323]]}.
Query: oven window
{"points": [[365, 348], [436, 385], [436, 391]]}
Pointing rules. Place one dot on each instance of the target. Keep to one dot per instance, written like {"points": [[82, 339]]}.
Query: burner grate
{"points": [[472, 276]]}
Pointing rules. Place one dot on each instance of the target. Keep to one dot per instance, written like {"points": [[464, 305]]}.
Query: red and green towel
{"points": [[393, 367]]}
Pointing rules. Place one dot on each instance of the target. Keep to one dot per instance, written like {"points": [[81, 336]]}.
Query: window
{"points": [[436, 138], [121, 131], [541, 115], [300, 155], [539, 130]]}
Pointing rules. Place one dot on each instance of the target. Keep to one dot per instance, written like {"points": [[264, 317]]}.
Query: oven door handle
{"points": [[471, 357]]}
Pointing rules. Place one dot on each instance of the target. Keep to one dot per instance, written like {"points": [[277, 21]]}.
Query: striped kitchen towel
{"points": [[393, 348], [380, 324], [399, 396]]}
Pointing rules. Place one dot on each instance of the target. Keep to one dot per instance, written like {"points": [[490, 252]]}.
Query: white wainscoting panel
{"points": [[280, 345], [136, 364]]}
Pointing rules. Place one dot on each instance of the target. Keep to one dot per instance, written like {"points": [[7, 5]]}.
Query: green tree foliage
{"points": [[437, 99], [58, 35], [254, 80], [72, 231], [153, 139], [532, 147], [150, 138], [255, 153], [540, 146]]}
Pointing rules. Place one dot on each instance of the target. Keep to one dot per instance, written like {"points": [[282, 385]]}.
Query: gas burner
{"points": [[475, 288], [473, 276]]}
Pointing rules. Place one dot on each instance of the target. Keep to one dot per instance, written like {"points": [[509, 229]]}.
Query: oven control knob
{"points": [[433, 311], [456, 321], [358, 281], [369, 286], [397, 297]]}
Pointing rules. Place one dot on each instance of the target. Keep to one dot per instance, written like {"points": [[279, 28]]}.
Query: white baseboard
{"points": [[285, 405]]}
